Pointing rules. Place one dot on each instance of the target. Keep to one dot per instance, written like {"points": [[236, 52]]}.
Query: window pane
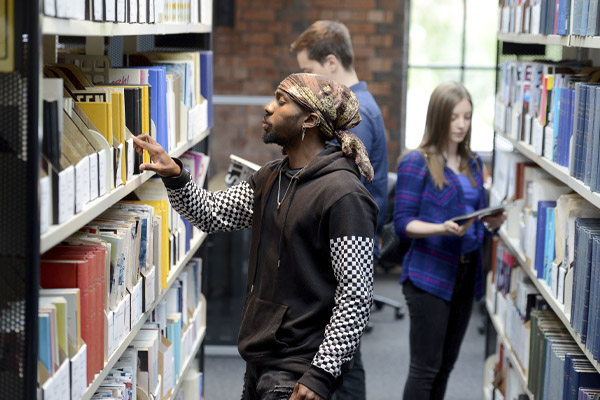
{"points": [[481, 86], [421, 83], [481, 32], [435, 32]]}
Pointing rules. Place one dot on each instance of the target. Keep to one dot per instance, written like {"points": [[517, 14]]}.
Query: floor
{"points": [[385, 355]]}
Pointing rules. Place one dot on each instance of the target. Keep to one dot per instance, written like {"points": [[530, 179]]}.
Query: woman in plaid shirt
{"points": [[441, 271]]}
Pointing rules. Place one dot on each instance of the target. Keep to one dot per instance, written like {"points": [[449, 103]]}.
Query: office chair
{"points": [[392, 249]]}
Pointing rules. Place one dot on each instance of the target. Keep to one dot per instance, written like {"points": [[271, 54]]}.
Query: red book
{"points": [[96, 255], [74, 273]]}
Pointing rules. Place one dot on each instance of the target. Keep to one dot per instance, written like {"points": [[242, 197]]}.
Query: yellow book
{"points": [[101, 116], [161, 208]]}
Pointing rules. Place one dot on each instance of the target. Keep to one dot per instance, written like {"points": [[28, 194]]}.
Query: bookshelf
{"points": [[57, 233], [508, 348], [194, 246], [72, 27], [575, 44], [30, 38]]}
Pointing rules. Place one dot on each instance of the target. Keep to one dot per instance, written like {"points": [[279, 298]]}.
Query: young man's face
{"points": [[282, 122], [311, 66]]}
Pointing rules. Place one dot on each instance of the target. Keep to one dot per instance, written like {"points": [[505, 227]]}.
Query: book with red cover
{"points": [[75, 273], [519, 189], [93, 309]]}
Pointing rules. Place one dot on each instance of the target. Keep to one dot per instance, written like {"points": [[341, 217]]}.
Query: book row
{"points": [[553, 108], [87, 147], [550, 363], [132, 11], [550, 17], [154, 360]]}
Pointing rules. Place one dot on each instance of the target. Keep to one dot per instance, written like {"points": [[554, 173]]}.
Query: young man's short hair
{"points": [[323, 38]]}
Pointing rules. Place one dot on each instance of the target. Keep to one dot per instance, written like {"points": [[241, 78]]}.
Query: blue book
{"points": [[570, 128], [595, 154], [188, 233], [594, 309], [157, 78], [206, 81], [549, 249], [585, 6], [540, 239], [561, 26], [556, 101], [564, 110], [591, 110], [44, 346], [578, 130]]}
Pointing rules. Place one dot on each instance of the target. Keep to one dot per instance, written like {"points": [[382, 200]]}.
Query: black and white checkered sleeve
{"points": [[224, 210], [352, 259]]}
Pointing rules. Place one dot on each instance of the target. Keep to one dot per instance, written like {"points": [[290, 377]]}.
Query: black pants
{"points": [[353, 381], [437, 328], [268, 384]]}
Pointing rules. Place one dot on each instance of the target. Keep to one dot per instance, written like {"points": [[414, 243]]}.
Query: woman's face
{"points": [[460, 121]]}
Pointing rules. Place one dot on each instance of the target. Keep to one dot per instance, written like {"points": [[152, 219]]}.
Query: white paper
{"points": [[119, 324], [130, 158], [45, 203], [94, 177], [168, 367], [50, 8], [110, 334], [110, 10], [102, 172], [79, 373], [118, 176], [66, 194], [133, 11], [127, 315], [136, 303], [548, 142], [59, 384], [121, 10], [149, 288], [142, 7], [62, 8], [82, 184], [98, 6]]}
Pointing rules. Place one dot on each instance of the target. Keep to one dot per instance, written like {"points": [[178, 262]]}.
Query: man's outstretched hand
{"points": [[162, 163]]}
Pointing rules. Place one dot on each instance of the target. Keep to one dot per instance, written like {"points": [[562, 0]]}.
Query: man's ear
{"points": [[332, 63], [311, 121]]}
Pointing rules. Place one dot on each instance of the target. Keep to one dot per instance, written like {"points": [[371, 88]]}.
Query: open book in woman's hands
{"points": [[484, 212]]}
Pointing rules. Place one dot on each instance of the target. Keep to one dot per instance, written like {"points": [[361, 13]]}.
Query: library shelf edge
{"points": [[544, 290], [75, 27], [114, 357], [508, 348], [188, 361], [555, 40], [557, 171], [57, 233]]}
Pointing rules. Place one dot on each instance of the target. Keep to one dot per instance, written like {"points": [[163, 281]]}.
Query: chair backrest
{"points": [[392, 248]]}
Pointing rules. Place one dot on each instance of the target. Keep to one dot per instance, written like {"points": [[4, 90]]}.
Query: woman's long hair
{"points": [[437, 128]]}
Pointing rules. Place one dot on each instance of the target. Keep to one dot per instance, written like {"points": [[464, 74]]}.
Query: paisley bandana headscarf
{"points": [[337, 108]]}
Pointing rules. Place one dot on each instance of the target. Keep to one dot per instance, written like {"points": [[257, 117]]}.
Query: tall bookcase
{"points": [[28, 39], [538, 47]]}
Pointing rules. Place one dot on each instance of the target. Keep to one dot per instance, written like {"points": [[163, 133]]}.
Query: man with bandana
{"points": [[310, 276], [325, 48]]}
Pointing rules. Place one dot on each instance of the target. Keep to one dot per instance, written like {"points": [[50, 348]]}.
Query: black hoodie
{"points": [[310, 274]]}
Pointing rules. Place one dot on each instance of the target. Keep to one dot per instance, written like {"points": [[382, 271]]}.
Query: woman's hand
{"points": [[162, 163], [452, 228], [492, 223], [301, 392]]}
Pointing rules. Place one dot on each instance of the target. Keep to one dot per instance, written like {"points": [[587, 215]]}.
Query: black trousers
{"points": [[270, 384], [437, 329], [267, 384]]}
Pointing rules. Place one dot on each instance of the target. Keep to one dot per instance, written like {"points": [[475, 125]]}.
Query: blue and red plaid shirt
{"points": [[432, 263]]}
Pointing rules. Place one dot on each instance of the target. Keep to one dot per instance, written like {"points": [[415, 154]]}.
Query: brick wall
{"points": [[253, 56]]}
